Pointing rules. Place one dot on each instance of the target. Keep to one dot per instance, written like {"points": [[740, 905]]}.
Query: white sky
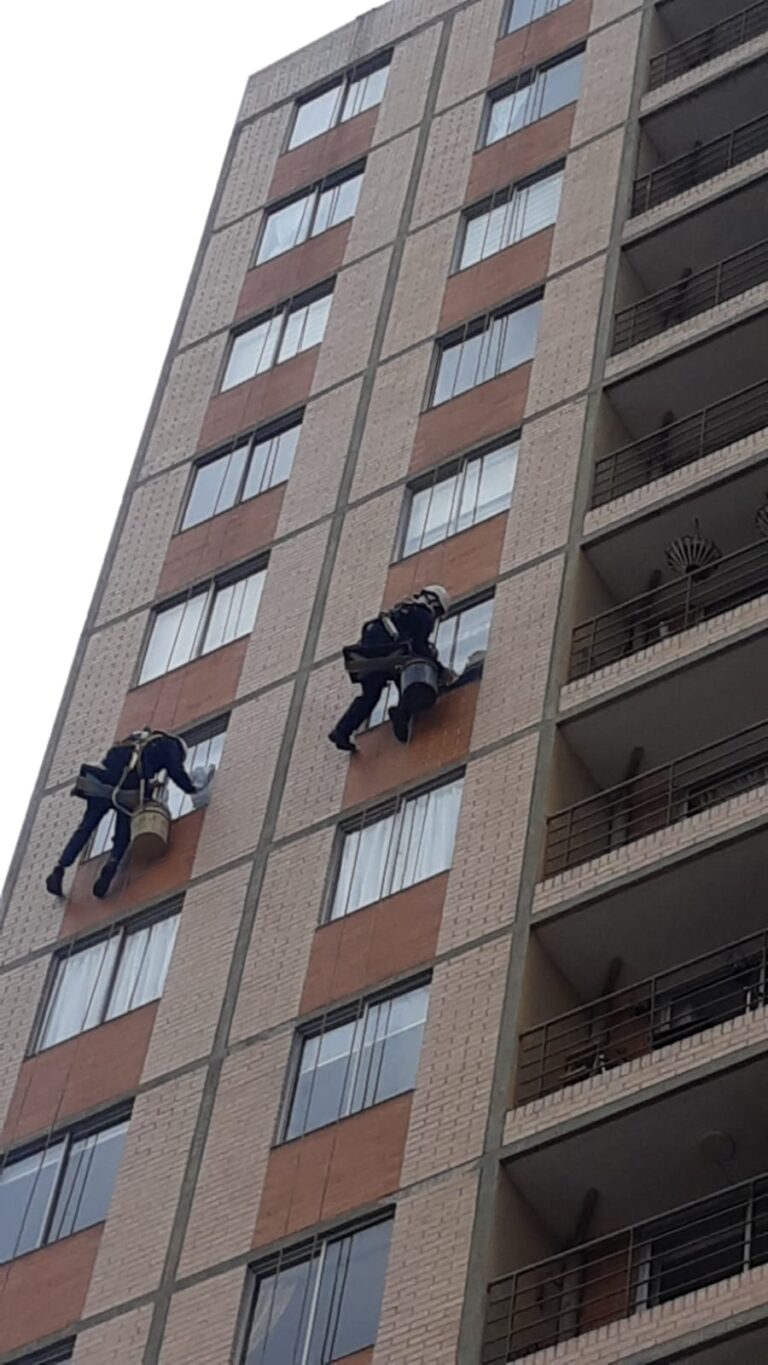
{"points": [[116, 119]]}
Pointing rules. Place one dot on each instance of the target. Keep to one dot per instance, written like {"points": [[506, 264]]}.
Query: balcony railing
{"points": [[691, 295], [668, 610], [680, 443], [658, 798], [703, 163], [641, 1267], [632, 1022], [708, 44]]}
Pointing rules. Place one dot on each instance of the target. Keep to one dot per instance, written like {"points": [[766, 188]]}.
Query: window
{"points": [[485, 348], [254, 464], [509, 216], [207, 619], [358, 1060], [205, 746], [522, 12], [397, 847], [360, 90], [333, 201], [59, 1189], [52, 1355], [458, 497], [295, 327], [317, 1304], [533, 96], [102, 979], [464, 633]]}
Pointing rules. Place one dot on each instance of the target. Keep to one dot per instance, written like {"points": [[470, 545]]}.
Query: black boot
{"points": [[104, 880], [401, 724], [54, 882], [342, 741]]}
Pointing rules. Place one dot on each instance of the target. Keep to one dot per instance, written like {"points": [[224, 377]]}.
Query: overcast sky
{"points": [[115, 122]]}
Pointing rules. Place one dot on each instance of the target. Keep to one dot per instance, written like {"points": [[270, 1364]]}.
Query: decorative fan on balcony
{"points": [[761, 518], [693, 554]]}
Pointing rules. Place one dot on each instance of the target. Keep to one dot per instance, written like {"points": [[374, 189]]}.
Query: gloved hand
{"points": [[203, 779]]}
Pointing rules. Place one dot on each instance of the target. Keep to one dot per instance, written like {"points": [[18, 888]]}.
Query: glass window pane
{"points": [[467, 509], [475, 232], [560, 84], [363, 867], [353, 1317], [89, 1177], [521, 12], [234, 611], [541, 204], [315, 116], [305, 328], [204, 498], [79, 992], [497, 479], [173, 638], [322, 1081], [281, 1315], [394, 1069], [143, 966], [519, 333], [187, 641], [26, 1189], [364, 92], [508, 114], [207, 753], [471, 363], [252, 352], [463, 635], [416, 522], [447, 368], [285, 228]]}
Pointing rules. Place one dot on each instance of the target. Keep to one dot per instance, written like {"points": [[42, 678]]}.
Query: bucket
{"points": [[418, 686], [150, 827]]}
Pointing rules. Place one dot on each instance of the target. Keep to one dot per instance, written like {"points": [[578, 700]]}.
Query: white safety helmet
{"points": [[437, 597]]}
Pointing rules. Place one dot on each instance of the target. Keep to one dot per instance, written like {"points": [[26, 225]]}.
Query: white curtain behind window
{"points": [[79, 993]]}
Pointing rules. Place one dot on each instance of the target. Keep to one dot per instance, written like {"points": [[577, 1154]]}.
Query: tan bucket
{"points": [[150, 827]]}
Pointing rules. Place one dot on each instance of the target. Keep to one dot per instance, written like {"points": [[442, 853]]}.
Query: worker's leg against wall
{"points": [[94, 812], [358, 712], [119, 847]]}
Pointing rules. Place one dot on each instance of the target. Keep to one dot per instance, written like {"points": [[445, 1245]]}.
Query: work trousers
{"points": [[95, 810]]}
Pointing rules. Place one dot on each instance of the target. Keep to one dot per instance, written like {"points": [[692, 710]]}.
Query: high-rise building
{"points": [[455, 1051]]}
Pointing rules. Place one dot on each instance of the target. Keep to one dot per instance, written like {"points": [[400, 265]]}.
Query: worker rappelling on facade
{"points": [[127, 782], [396, 647]]}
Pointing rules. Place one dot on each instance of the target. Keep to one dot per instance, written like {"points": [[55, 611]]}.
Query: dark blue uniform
{"points": [[163, 753], [414, 623]]}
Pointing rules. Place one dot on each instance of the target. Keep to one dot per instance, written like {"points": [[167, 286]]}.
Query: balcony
{"points": [[692, 40], [615, 1028], [693, 293], [693, 140], [669, 609], [697, 401], [637, 1269], [669, 749], [615, 1219]]}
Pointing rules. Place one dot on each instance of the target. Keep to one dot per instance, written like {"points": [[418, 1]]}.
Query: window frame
{"points": [[316, 1026], [343, 82], [57, 1354], [77, 1132], [209, 587], [496, 199], [475, 326], [125, 927], [315, 190], [509, 10], [378, 810], [284, 310], [442, 472], [253, 436], [294, 1254], [523, 80]]}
